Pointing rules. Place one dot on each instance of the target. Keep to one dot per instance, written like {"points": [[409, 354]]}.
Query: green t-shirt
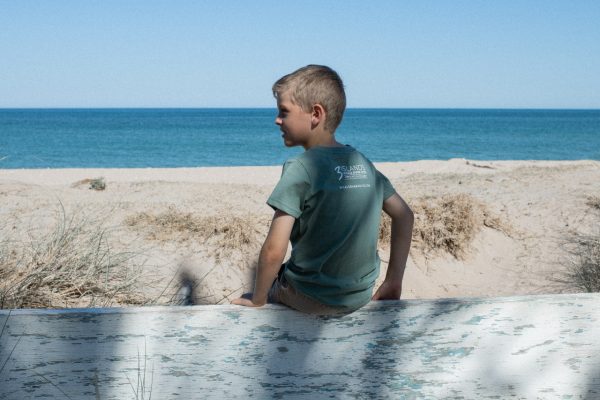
{"points": [[336, 196]]}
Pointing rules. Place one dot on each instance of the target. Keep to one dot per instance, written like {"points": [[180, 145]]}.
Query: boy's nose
{"points": [[277, 121]]}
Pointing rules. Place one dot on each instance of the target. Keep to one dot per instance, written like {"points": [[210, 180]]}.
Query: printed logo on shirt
{"points": [[351, 172], [365, 185]]}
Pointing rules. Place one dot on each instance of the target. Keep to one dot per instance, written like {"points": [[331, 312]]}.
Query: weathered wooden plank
{"points": [[520, 347]]}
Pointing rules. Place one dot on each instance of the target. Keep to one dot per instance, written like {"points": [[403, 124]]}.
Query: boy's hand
{"points": [[388, 291], [246, 301]]}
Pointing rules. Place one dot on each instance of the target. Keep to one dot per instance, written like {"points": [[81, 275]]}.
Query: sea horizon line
{"points": [[142, 108]]}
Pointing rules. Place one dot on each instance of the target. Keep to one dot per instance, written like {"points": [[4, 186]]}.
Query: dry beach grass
{"points": [[70, 265], [583, 262], [445, 224], [226, 233], [583, 273]]}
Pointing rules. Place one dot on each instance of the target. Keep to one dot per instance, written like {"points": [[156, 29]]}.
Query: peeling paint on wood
{"points": [[515, 347]]}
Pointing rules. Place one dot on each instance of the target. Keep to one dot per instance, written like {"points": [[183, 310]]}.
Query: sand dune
{"points": [[205, 225]]}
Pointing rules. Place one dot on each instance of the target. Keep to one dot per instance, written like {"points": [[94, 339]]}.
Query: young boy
{"points": [[328, 202]]}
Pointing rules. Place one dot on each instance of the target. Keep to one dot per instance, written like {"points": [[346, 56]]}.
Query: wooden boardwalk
{"points": [[518, 347]]}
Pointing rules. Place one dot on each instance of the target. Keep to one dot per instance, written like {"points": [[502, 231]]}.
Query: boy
{"points": [[328, 202]]}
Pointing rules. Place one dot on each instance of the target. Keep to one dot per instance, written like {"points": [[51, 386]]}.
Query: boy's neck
{"points": [[324, 140]]}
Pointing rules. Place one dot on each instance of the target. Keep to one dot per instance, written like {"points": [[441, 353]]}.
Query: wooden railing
{"points": [[515, 347]]}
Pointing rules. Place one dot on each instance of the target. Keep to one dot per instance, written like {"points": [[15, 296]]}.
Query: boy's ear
{"points": [[318, 114]]}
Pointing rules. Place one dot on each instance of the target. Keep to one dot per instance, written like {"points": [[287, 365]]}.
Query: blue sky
{"points": [[449, 54]]}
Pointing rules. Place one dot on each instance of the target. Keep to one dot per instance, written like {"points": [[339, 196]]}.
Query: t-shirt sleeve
{"points": [[388, 189], [291, 190]]}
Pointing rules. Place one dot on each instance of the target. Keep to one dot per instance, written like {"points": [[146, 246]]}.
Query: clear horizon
{"points": [[183, 54], [274, 108]]}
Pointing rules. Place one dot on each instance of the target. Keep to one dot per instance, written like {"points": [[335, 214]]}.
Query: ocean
{"points": [[166, 138]]}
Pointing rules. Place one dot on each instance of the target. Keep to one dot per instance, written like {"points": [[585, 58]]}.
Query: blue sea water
{"points": [[127, 138]]}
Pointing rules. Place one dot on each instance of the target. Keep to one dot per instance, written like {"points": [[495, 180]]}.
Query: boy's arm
{"points": [[402, 225], [270, 259]]}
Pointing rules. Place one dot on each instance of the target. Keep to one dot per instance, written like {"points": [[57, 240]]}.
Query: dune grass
{"points": [[583, 271], [446, 224], [583, 262], [593, 202], [226, 233], [72, 265]]}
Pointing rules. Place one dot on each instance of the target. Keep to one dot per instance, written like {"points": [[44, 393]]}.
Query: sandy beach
{"points": [[205, 225]]}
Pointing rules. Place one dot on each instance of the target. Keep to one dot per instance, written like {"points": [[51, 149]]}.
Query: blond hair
{"points": [[315, 84]]}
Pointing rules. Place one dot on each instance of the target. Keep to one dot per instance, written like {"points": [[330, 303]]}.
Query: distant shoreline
{"points": [[273, 108], [264, 174]]}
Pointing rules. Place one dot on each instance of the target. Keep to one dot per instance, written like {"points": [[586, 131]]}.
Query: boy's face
{"points": [[294, 123]]}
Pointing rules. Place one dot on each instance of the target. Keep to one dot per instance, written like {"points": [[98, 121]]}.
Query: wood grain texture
{"points": [[517, 347]]}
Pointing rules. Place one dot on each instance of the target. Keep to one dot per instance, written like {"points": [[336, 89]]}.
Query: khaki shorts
{"points": [[284, 293]]}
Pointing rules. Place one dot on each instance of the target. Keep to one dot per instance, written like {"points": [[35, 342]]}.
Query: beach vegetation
{"points": [[225, 233], [583, 260], [70, 265], [593, 202], [446, 224], [583, 264], [143, 387]]}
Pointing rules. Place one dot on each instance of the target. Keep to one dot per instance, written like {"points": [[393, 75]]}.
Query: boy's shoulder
{"points": [[315, 162], [317, 157], [326, 153]]}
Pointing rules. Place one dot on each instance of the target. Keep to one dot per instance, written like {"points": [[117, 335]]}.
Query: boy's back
{"points": [[336, 196], [328, 204]]}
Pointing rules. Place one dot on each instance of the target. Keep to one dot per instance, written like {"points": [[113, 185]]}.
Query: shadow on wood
{"points": [[523, 347]]}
